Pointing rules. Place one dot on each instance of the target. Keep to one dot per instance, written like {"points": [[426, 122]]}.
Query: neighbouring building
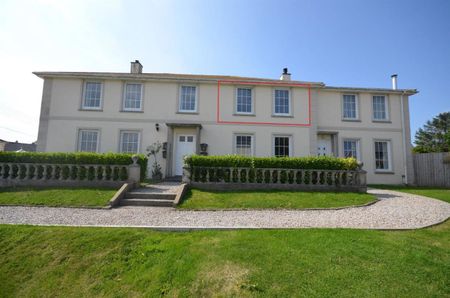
{"points": [[215, 115], [16, 146]]}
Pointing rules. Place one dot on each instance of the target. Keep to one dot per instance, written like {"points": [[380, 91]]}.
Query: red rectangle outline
{"points": [[262, 83]]}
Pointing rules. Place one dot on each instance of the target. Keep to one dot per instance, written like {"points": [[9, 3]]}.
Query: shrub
{"points": [[235, 161], [75, 158]]}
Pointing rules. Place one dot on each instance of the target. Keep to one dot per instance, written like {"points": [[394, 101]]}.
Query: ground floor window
{"points": [[129, 141], [88, 140], [382, 155], [244, 145], [351, 148], [282, 146]]}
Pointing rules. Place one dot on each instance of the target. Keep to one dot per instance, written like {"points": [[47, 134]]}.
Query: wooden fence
{"points": [[217, 178], [432, 169]]}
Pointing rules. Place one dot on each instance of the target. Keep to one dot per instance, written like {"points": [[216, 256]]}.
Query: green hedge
{"points": [[319, 163], [75, 158]]}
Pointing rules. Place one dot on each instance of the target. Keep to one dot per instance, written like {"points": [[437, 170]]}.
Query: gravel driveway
{"points": [[395, 210]]}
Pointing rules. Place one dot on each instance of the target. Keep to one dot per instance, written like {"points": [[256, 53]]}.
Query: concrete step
{"points": [[146, 202], [173, 179], [150, 196]]}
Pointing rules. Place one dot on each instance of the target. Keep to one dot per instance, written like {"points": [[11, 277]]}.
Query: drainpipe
{"points": [[405, 166]]}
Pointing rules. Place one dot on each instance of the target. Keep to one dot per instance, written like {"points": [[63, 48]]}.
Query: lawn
{"points": [[64, 197], [199, 199], [432, 192], [119, 262]]}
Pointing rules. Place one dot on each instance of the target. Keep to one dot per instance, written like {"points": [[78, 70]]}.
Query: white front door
{"points": [[324, 147], [185, 146]]}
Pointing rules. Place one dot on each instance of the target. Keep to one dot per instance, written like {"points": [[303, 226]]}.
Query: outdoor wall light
{"points": [[157, 126]]}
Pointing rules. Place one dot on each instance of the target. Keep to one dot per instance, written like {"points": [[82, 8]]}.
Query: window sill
{"points": [[90, 110], [385, 172], [381, 121], [130, 111], [350, 120], [282, 116], [187, 112], [244, 114]]}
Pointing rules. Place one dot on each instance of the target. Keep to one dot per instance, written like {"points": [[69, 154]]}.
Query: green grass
{"points": [[199, 199], [62, 197], [119, 262], [432, 192]]}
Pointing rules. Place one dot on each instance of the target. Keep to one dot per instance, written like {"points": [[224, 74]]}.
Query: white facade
{"points": [[126, 112]]}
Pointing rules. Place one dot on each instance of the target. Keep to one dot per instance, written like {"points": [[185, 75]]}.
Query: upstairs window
{"points": [[282, 146], [350, 107], [379, 107], [382, 156], [244, 101], [129, 141], [133, 97], [88, 140], [282, 102], [188, 99], [244, 145], [92, 95]]}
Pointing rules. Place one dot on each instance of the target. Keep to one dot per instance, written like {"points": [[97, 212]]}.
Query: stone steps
{"points": [[146, 202], [149, 196]]}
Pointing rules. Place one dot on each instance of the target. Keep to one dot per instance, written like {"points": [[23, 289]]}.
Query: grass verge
{"points": [[442, 194], [56, 197], [271, 199], [118, 262]]}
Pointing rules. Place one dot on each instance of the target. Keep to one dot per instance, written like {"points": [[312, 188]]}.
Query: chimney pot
{"points": [[136, 67], [285, 76], [394, 81]]}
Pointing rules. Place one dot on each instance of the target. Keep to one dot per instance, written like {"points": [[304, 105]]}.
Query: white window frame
{"points": [[80, 131], [252, 137], [291, 149], [389, 152], [83, 99], [181, 96], [121, 140], [274, 102], [252, 105], [358, 147], [124, 98], [386, 107], [356, 106]]}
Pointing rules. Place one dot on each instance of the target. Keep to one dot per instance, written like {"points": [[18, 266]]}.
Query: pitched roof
{"points": [[15, 146]]}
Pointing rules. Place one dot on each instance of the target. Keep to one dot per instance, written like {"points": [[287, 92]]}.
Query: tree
{"points": [[435, 135]]}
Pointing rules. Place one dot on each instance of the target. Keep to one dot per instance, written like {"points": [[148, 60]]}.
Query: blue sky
{"points": [[341, 43]]}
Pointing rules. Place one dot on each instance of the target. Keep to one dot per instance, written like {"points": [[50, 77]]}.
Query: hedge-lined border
{"points": [[86, 158], [237, 161]]}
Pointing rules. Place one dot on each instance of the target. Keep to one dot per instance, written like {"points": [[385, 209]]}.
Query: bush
{"points": [[235, 161], [75, 158]]}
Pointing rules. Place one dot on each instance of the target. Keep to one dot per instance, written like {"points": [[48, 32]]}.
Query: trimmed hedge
{"points": [[236, 161], [75, 158]]}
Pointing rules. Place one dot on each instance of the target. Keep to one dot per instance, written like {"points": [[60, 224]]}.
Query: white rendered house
{"points": [[216, 115]]}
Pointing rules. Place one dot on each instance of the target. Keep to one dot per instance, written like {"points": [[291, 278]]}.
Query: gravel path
{"points": [[395, 210]]}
